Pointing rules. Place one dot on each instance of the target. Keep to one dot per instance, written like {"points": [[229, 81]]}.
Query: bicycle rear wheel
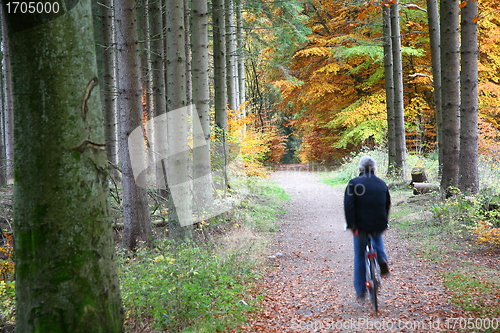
{"points": [[372, 283]]}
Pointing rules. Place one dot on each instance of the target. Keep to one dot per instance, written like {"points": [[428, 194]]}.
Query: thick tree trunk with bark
{"points": [[66, 275], [136, 220], [450, 92], [178, 164], [469, 178], [399, 112], [202, 169]]}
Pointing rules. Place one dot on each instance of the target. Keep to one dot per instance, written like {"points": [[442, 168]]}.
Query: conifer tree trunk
{"points": [[469, 178], [231, 56], [435, 38], [389, 88], [66, 274], [9, 107], [240, 47], [136, 220], [399, 116], [220, 89], [201, 98], [109, 81], [159, 90], [450, 92], [178, 164]]}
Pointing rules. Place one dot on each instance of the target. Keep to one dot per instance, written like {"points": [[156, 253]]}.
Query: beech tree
{"points": [[469, 178], [66, 275], [450, 92], [136, 220]]}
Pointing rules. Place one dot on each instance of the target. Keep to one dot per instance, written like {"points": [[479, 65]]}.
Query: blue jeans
{"points": [[360, 243]]}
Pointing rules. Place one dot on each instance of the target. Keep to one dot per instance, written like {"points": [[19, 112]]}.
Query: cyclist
{"points": [[366, 207]]}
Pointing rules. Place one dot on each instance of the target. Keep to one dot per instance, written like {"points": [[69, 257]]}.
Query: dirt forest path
{"points": [[310, 287]]}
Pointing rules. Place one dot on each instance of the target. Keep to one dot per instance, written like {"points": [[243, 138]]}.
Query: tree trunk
{"points": [[450, 93], [66, 275], [9, 111], [109, 82], [469, 178], [220, 90], [159, 91], [137, 223], [231, 56], [399, 111], [435, 39], [240, 43], [389, 88], [178, 166], [202, 169]]}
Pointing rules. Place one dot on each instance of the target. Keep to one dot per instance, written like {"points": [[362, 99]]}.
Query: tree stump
{"points": [[418, 175]]}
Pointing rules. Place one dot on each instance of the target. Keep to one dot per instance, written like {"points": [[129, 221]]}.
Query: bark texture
{"points": [[399, 113], [66, 275], [450, 92], [202, 186], [178, 166], [136, 220], [469, 178]]}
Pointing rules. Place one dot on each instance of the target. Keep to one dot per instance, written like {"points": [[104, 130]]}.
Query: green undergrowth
{"points": [[445, 239], [202, 286]]}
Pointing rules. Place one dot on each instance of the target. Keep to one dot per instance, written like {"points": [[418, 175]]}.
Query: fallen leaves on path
{"points": [[309, 287]]}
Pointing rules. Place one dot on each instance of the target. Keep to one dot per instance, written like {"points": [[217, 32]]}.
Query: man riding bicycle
{"points": [[366, 207]]}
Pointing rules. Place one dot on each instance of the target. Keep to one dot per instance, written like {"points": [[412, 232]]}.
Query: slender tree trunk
{"points": [[231, 56], [178, 166], [3, 159], [389, 89], [9, 112], [450, 92], [159, 91], [399, 111], [220, 90], [202, 169], [137, 223], [109, 81], [469, 178], [66, 275], [240, 39], [435, 38]]}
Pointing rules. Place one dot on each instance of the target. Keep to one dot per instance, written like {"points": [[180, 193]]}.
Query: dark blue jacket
{"points": [[366, 203]]}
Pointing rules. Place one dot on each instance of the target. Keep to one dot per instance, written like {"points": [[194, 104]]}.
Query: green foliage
{"points": [[202, 287], [175, 286]]}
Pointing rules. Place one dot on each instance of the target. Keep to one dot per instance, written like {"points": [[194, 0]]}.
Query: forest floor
{"points": [[309, 283]]}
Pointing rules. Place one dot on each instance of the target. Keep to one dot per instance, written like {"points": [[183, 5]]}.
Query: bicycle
{"points": [[372, 273]]}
